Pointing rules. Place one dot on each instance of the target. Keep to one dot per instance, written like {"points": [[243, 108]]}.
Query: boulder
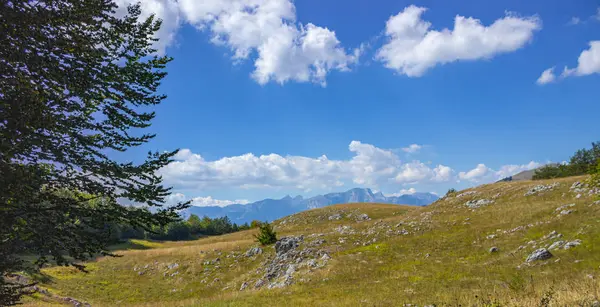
{"points": [[254, 251], [572, 244], [539, 254]]}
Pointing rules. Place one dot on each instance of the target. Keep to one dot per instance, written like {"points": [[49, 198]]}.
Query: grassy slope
{"points": [[394, 270]]}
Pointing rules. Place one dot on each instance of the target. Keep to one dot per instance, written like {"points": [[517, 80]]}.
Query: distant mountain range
{"points": [[272, 209]]}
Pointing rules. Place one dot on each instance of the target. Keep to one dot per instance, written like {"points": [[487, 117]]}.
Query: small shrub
{"points": [[266, 234], [255, 224], [451, 191], [547, 298]]}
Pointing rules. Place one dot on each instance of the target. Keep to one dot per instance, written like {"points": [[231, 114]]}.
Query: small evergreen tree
{"points": [[266, 234]]}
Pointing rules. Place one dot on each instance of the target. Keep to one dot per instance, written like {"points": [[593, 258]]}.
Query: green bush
{"points": [[451, 191], [266, 234]]}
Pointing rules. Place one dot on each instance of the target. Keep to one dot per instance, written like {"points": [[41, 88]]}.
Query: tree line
{"points": [[191, 228], [584, 161]]}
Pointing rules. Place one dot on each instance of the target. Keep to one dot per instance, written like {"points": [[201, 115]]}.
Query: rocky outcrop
{"points": [[288, 261]]}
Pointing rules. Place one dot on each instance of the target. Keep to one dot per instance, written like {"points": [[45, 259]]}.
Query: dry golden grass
{"points": [[444, 260]]}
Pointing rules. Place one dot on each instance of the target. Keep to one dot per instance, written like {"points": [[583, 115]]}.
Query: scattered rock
{"points": [[259, 283], [244, 286], [572, 244], [345, 230], [326, 257], [335, 217], [563, 207], [286, 244], [254, 251], [492, 236], [363, 217], [566, 212], [494, 250], [473, 204], [541, 188], [173, 266], [556, 245], [539, 254], [317, 242], [467, 194]]}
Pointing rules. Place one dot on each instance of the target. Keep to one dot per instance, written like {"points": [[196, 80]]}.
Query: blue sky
{"points": [[358, 82]]}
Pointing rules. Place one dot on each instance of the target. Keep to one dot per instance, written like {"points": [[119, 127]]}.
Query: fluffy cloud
{"points": [[286, 50], [370, 165], [587, 64], [409, 191], [175, 198], [412, 148], [546, 77], [482, 173], [413, 47]]}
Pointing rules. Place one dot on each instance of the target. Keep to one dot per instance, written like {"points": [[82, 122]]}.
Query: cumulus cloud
{"points": [[370, 166], [207, 201], [546, 77], [286, 50], [412, 148], [479, 172], [482, 173], [413, 47], [409, 191], [587, 64]]}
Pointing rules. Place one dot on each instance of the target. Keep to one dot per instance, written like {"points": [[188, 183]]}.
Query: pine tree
{"points": [[76, 83], [266, 234]]}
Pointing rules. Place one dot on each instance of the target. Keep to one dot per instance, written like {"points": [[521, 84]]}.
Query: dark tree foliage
{"points": [[266, 234], [584, 161], [74, 84]]}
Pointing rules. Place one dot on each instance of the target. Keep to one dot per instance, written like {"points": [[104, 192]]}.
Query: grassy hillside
{"points": [[439, 254]]}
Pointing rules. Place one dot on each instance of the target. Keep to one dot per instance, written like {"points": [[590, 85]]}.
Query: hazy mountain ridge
{"points": [[272, 209]]}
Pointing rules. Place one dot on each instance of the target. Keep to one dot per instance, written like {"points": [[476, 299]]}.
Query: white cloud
{"points": [[546, 77], [370, 166], [286, 50], [479, 172], [509, 170], [588, 63], [482, 173], [412, 148], [207, 201], [409, 191], [166, 10], [413, 47]]}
